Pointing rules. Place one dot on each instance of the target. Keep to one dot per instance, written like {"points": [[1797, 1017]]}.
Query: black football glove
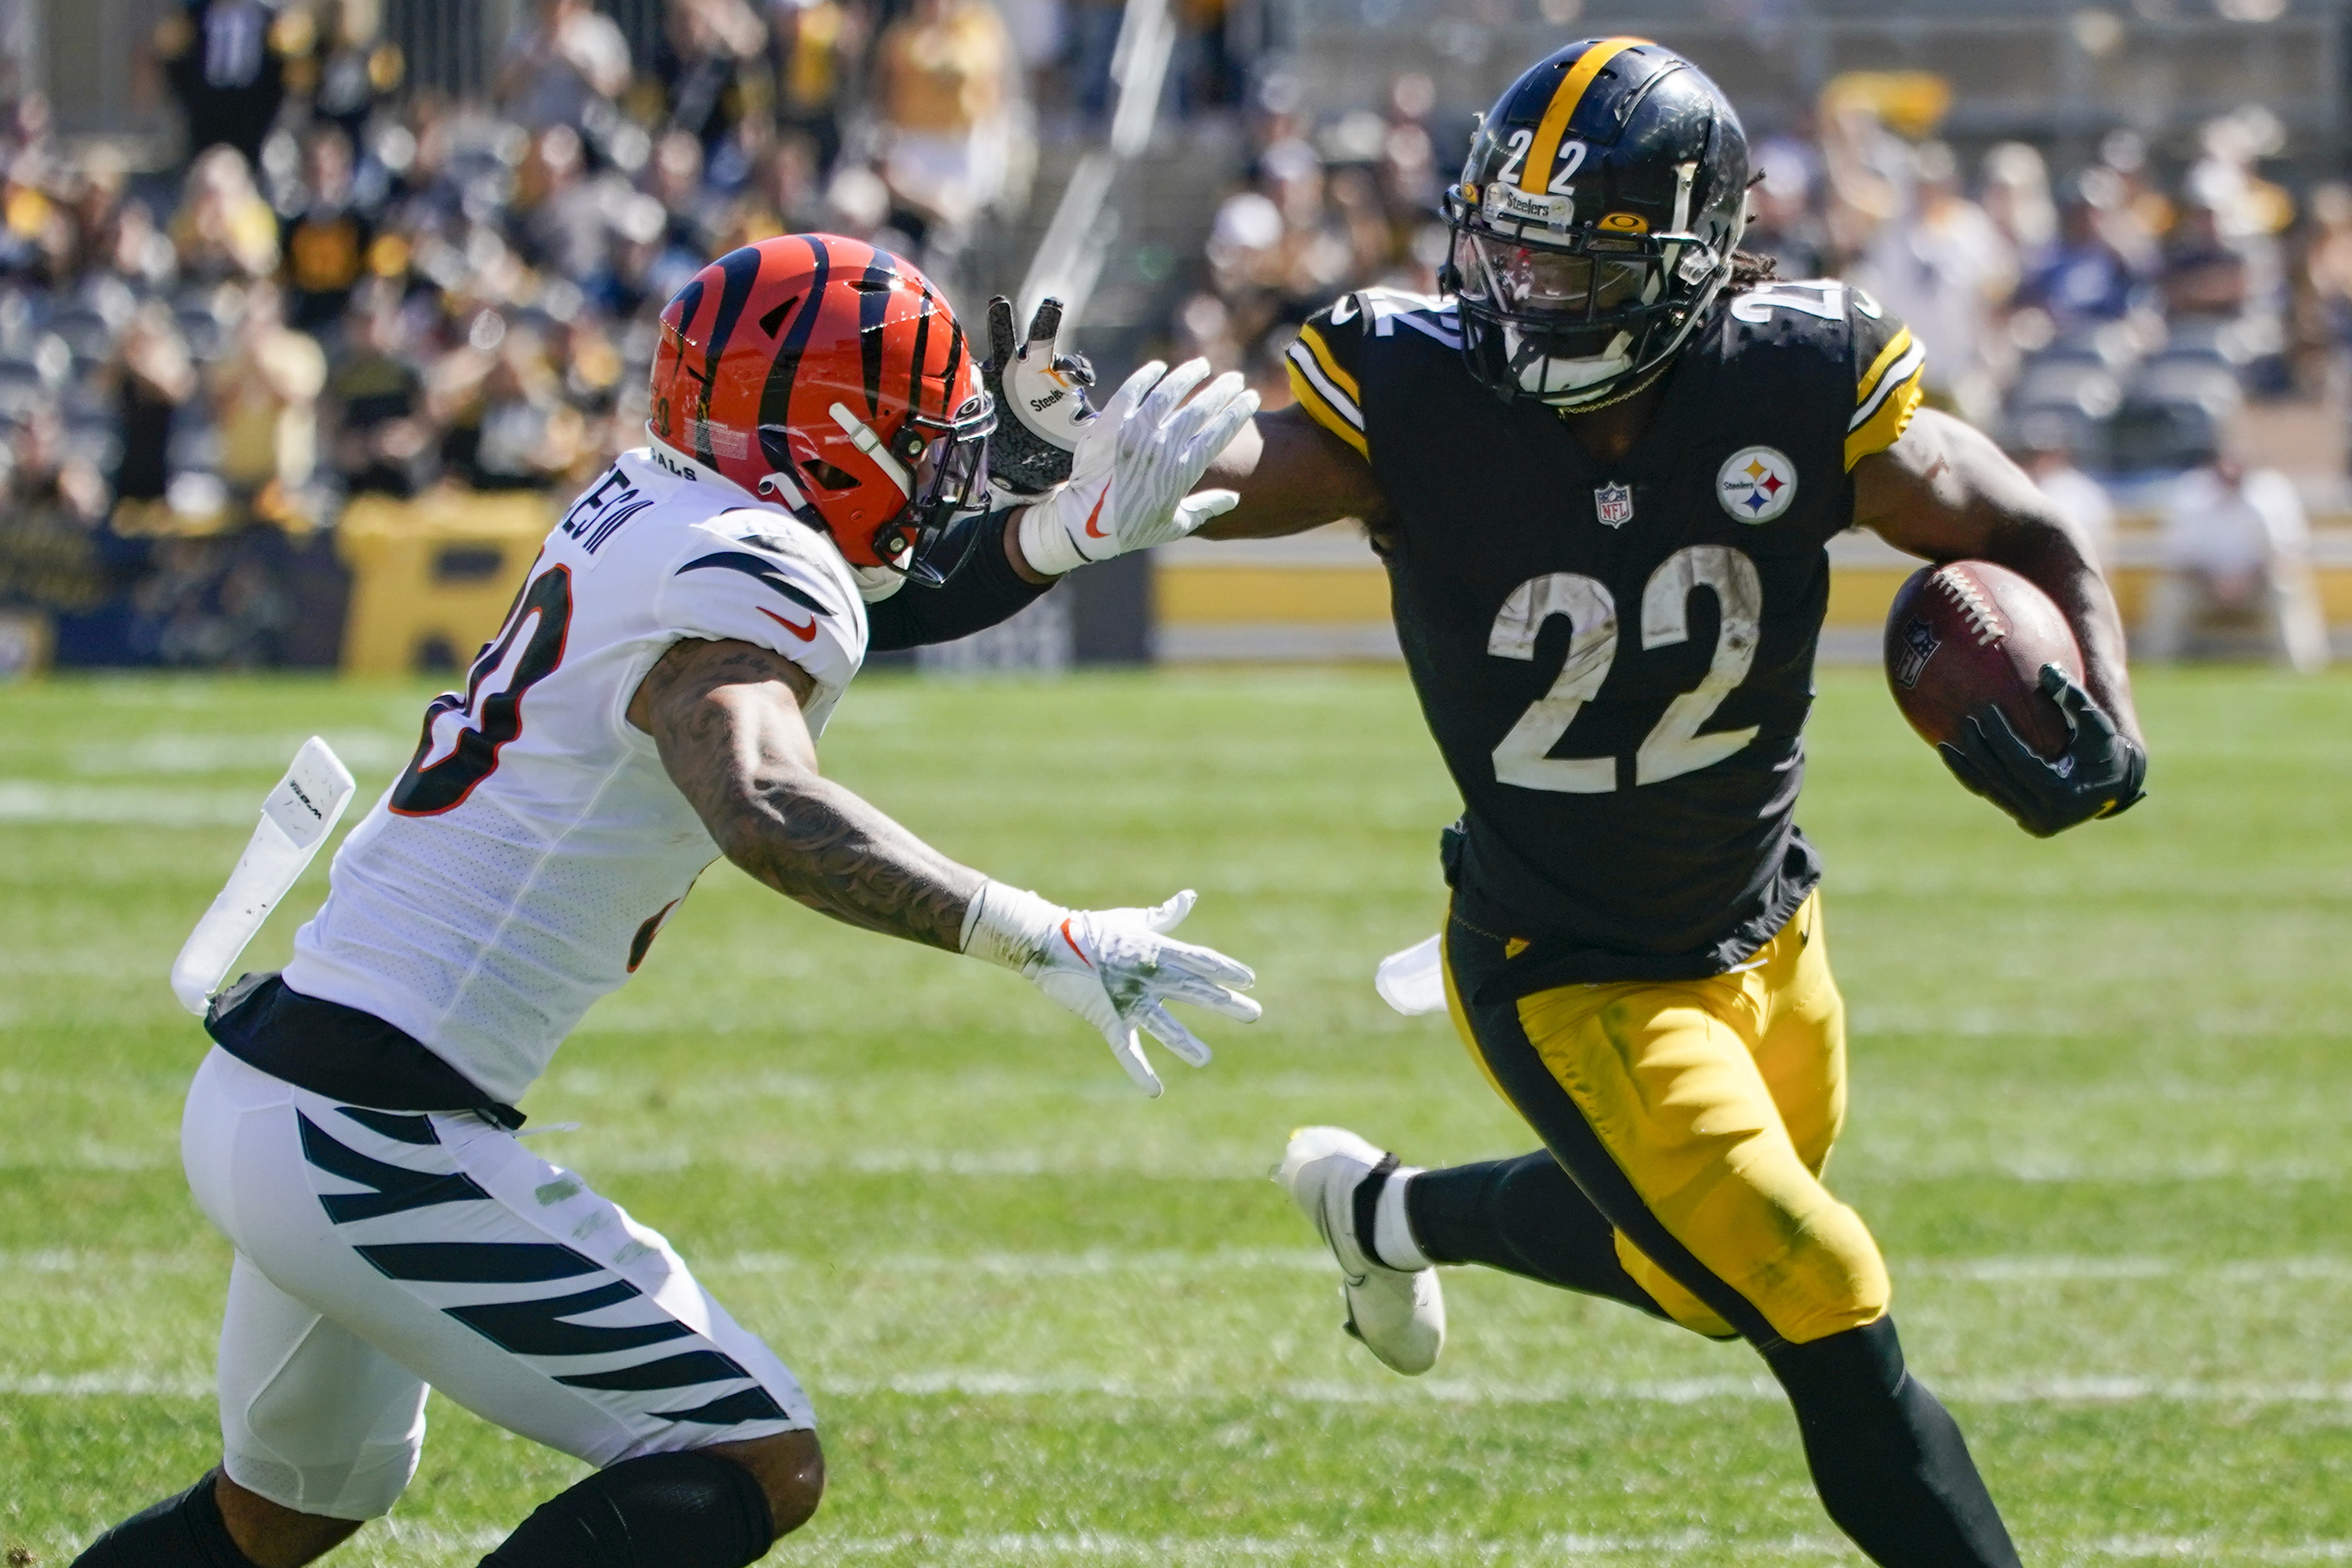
{"points": [[2099, 774], [1041, 400]]}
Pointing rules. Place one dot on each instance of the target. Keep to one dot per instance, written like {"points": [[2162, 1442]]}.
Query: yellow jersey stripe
{"points": [[1322, 352], [1894, 376], [1318, 407], [1887, 422], [1535, 171], [1337, 401], [1887, 356]]}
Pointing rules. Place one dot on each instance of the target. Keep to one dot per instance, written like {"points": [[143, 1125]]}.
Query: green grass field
{"points": [[2100, 1091]]}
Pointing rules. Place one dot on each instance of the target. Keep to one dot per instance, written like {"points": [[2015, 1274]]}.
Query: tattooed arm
{"points": [[727, 718]]}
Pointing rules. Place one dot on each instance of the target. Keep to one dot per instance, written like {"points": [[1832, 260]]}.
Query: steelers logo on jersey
{"points": [[1756, 484]]}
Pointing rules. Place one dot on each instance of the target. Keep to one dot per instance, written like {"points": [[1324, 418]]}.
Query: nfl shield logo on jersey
{"points": [[1756, 484], [1614, 503]]}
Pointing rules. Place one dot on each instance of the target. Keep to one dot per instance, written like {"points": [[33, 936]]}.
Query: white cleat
{"points": [[1399, 1313]]}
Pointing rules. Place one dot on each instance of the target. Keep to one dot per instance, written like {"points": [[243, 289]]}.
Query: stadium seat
{"points": [[432, 577]]}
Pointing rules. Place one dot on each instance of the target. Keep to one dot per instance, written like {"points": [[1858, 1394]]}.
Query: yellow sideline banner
{"points": [[433, 576], [1322, 595]]}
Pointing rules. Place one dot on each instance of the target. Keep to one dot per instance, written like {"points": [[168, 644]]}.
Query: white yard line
{"points": [[2081, 1389], [106, 1265], [1374, 1547], [594, 1154], [1030, 1265], [1386, 1548], [37, 802], [1999, 1270], [1450, 1548], [980, 1382], [106, 1385], [1095, 1262], [2207, 1549]]}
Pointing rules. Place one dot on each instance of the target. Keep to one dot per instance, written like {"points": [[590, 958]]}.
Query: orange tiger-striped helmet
{"points": [[831, 377]]}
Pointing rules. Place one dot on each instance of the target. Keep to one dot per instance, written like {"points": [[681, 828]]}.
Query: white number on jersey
{"points": [[462, 736], [1825, 299], [1522, 759], [1673, 745]]}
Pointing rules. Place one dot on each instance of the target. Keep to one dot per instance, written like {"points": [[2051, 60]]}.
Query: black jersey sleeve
{"points": [[981, 590], [1888, 364], [1325, 367]]}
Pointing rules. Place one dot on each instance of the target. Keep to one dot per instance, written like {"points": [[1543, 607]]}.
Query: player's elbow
{"points": [[752, 820], [2036, 538]]}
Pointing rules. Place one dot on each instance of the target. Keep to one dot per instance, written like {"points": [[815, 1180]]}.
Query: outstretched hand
{"points": [[1131, 481], [1118, 969], [1041, 399]]}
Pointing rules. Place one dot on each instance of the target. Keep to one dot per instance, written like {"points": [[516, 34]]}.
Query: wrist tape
{"points": [[1048, 538], [1008, 926]]}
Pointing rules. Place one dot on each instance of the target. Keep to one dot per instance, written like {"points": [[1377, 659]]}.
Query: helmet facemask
{"points": [[950, 471], [1567, 315]]}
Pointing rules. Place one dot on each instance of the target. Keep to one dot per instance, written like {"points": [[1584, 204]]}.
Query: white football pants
{"points": [[378, 1252]]}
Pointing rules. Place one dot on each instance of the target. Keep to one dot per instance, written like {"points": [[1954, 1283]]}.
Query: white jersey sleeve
{"points": [[749, 576]]}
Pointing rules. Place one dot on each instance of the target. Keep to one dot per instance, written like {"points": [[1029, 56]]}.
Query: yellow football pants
{"points": [[1697, 1116]]}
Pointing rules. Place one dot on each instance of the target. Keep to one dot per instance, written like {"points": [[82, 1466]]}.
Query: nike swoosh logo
{"points": [[805, 633], [1074, 947], [1092, 532]]}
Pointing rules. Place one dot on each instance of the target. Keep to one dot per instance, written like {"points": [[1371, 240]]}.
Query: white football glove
{"points": [[1118, 969], [1135, 463]]}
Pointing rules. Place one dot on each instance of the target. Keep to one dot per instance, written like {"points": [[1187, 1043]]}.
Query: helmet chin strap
{"points": [[1565, 405], [1570, 410], [862, 436], [1537, 374], [875, 584]]}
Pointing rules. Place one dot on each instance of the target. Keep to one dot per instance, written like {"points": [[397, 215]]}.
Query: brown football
{"points": [[1968, 633]]}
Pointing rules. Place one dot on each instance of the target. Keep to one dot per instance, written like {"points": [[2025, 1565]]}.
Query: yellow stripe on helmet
{"points": [[1535, 173]]}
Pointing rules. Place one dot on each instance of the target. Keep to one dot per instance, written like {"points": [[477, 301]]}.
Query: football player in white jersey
{"points": [[652, 702]]}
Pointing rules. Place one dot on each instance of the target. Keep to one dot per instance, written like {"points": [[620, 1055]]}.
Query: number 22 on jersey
{"points": [[1673, 746], [463, 736]]}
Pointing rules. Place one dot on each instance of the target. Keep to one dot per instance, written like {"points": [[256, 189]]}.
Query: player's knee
{"points": [[268, 1532], [1832, 1281], [790, 1468], [794, 1493]]}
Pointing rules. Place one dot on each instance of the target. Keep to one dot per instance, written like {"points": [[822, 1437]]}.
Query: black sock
{"points": [[664, 1510], [1887, 1458], [184, 1531], [1368, 1207], [1525, 1215]]}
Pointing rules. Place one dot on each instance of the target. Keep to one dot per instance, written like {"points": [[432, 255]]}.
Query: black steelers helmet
{"points": [[1593, 222]]}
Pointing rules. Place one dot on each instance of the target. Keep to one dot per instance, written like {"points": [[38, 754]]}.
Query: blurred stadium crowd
{"points": [[350, 287]]}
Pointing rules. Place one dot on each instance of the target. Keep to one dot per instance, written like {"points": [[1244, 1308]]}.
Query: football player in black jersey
{"points": [[1601, 471]]}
